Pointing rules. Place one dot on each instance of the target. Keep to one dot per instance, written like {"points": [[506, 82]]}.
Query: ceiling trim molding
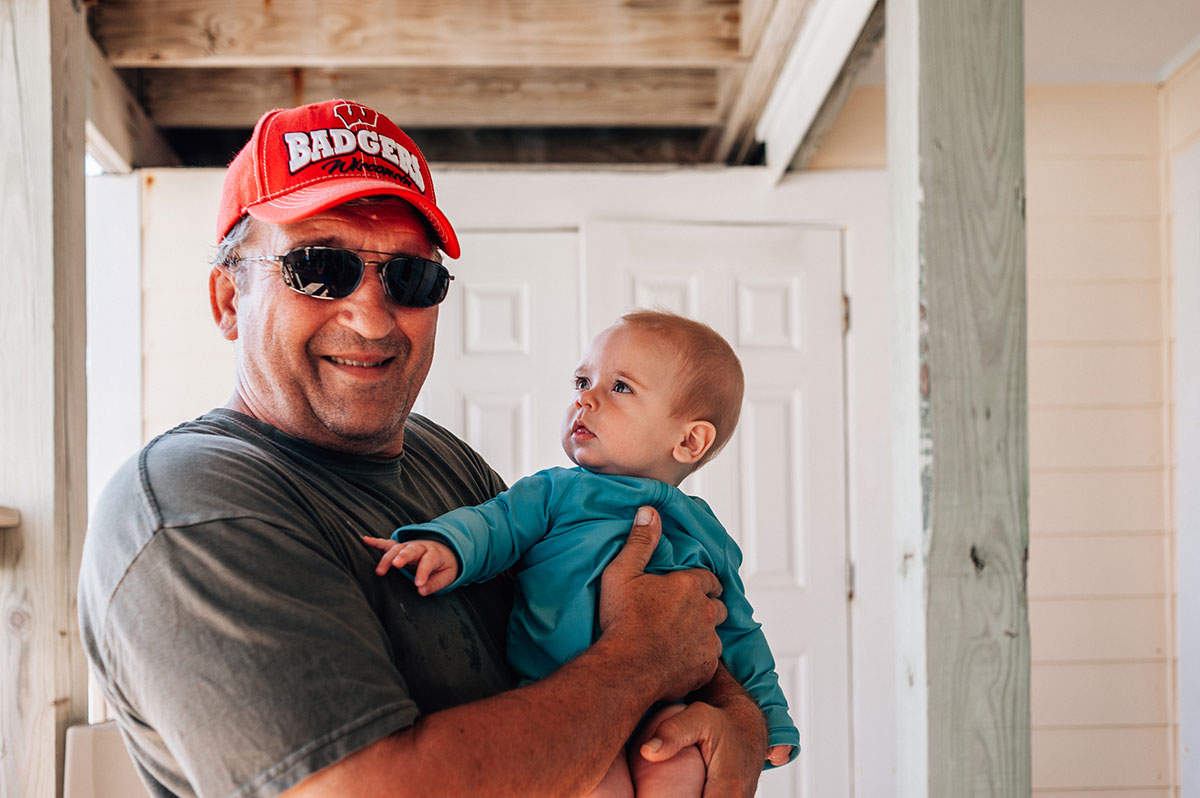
{"points": [[1177, 61], [813, 65]]}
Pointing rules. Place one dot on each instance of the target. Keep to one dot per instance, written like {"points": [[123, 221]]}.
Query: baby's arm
{"points": [[436, 565]]}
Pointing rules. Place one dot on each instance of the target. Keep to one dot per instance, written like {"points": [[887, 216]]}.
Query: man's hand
{"points": [[730, 732], [436, 565], [666, 621]]}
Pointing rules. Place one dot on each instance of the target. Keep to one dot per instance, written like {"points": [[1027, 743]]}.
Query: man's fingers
{"points": [[712, 588], [674, 729], [643, 537]]}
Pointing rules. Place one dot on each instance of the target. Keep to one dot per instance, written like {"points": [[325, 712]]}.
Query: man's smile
{"points": [[342, 361]]}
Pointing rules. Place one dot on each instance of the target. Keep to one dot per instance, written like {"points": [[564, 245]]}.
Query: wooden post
{"points": [[43, 105], [956, 155]]}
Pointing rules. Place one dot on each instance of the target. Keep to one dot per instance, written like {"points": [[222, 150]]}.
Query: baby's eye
{"points": [[620, 387], [581, 383]]}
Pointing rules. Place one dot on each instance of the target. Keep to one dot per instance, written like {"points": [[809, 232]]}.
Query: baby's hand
{"points": [[778, 754], [436, 567]]}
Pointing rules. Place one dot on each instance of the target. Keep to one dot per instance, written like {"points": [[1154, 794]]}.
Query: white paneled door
{"points": [[510, 335]]}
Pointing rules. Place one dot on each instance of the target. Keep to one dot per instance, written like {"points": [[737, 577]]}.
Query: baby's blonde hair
{"points": [[712, 382]]}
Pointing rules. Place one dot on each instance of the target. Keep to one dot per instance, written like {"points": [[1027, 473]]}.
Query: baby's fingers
{"points": [[425, 567], [395, 556], [383, 544]]}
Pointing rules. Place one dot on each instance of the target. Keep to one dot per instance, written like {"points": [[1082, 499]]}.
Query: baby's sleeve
{"points": [[490, 538], [748, 657]]}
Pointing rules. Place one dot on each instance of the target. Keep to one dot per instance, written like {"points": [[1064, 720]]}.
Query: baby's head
{"points": [[656, 395]]}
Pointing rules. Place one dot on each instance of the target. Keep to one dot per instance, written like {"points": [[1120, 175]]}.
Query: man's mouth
{"points": [[366, 364]]}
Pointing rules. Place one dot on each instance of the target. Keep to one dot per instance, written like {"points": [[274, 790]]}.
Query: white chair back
{"points": [[98, 766]]}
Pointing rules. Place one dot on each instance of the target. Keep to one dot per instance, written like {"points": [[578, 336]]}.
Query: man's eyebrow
{"points": [[337, 243], [324, 241]]}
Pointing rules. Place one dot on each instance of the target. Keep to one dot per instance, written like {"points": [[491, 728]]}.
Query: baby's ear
{"points": [[698, 438]]}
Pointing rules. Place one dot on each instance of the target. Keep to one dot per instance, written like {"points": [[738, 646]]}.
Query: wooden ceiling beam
{"points": [[217, 33], [838, 40], [737, 141], [861, 54], [639, 147], [470, 96], [119, 134]]}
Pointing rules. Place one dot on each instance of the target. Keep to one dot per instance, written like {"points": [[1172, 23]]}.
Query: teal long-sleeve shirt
{"points": [[561, 527]]}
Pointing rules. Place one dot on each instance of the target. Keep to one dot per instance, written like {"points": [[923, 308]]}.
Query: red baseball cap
{"points": [[303, 160]]}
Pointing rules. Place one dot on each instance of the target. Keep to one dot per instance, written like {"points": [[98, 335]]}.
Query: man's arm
{"points": [[557, 736]]}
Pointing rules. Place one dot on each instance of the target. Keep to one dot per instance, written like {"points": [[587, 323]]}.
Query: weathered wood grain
{"points": [[418, 33], [43, 76], [957, 148], [428, 97]]}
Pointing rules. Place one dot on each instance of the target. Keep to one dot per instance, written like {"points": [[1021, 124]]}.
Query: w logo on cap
{"points": [[355, 116]]}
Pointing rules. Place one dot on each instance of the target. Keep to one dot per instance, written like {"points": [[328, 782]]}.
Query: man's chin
{"points": [[365, 436]]}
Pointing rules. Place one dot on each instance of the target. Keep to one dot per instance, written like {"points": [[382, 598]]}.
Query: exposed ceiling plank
{"points": [[755, 15], [540, 147], [860, 56], [427, 97], [737, 141], [214, 33], [119, 134]]}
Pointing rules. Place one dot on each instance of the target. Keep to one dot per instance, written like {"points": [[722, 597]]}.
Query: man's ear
{"points": [[698, 438], [223, 297]]}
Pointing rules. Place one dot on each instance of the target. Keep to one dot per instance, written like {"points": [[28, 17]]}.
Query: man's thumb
{"points": [[647, 528]]}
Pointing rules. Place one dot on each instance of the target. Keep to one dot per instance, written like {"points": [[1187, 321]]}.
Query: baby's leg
{"points": [[616, 783], [680, 776]]}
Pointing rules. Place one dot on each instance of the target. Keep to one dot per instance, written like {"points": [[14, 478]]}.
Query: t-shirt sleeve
{"points": [[256, 680]]}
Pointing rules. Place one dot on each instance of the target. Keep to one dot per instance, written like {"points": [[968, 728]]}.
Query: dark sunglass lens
{"points": [[320, 272], [416, 282]]}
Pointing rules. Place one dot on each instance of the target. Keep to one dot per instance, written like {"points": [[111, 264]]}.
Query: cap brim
{"points": [[304, 202]]}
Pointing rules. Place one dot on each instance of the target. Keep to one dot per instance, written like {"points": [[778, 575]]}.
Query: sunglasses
{"points": [[333, 273]]}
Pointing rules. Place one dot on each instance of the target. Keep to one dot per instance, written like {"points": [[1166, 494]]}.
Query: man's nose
{"points": [[368, 311]]}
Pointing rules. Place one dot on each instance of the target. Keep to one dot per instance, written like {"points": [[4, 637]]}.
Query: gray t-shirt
{"points": [[233, 616]]}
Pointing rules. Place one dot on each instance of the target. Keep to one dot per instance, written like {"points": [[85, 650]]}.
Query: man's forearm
{"points": [[725, 692], [557, 736]]}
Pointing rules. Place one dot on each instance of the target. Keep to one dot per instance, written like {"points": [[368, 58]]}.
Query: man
{"points": [[228, 607]]}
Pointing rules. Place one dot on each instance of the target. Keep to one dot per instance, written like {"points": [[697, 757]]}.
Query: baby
{"points": [[656, 396]]}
